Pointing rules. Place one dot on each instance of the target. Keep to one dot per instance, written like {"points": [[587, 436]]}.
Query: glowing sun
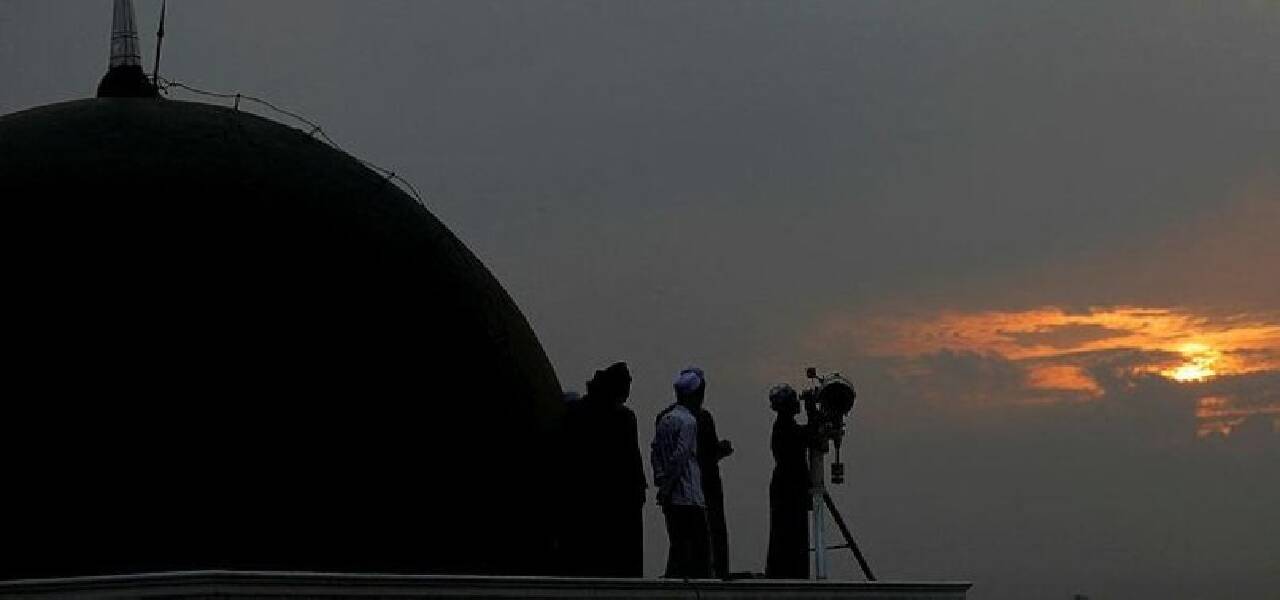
{"points": [[1198, 362]]}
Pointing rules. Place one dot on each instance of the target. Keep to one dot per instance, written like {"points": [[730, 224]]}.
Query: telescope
{"points": [[827, 404]]}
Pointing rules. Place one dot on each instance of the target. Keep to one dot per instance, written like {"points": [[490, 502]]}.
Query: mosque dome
{"points": [[233, 346]]}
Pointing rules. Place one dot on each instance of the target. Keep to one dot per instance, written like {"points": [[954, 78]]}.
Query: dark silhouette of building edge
{"points": [[236, 347]]}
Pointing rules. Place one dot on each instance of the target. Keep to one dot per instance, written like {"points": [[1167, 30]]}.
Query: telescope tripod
{"points": [[821, 500], [848, 539]]}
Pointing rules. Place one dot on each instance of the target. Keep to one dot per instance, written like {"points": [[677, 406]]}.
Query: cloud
{"points": [[1211, 374], [1066, 336], [963, 378]]}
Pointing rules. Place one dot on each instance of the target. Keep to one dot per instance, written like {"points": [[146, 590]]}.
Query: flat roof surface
{"points": [[253, 584]]}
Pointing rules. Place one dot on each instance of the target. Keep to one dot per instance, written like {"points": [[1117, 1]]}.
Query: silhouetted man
{"points": [[711, 450], [604, 480], [788, 490], [678, 477]]}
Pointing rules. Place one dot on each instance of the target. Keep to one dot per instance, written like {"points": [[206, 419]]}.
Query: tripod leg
{"points": [[848, 537]]}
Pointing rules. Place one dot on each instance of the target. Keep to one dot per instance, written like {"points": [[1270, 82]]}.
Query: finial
{"points": [[125, 78]]}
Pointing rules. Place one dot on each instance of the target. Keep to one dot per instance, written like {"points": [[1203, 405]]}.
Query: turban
{"points": [[689, 381]]}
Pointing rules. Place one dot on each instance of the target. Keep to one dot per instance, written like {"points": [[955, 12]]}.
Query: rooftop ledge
{"points": [[253, 585]]}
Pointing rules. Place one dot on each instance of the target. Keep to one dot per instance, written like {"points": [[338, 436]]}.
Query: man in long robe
{"points": [[605, 480], [789, 499]]}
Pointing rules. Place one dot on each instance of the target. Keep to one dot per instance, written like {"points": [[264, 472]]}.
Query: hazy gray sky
{"points": [[1039, 236]]}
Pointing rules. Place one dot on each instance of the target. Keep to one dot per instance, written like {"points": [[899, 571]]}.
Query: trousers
{"points": [[690, 554]]}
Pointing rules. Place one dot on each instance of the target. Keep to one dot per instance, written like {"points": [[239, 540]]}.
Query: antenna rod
{"points": [[155, 71]]}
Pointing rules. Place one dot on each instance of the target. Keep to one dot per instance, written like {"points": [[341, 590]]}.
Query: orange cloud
{"points": [[1062, 377], [1198, 346], [1220, 415], [1045, 333], [1058, 349]]}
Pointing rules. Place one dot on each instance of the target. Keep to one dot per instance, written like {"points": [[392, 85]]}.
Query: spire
{"points": [[124, 36], [124, 78]]}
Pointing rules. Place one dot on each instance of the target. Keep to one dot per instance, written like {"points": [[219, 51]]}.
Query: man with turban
{"points": [[711, 450], [678, 477]]}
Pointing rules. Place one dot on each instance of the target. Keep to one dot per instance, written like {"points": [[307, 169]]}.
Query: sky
{"points": [[1038, 236]]}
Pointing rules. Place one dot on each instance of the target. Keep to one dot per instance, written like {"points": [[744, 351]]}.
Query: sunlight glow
{"points": [[1198, 366]]}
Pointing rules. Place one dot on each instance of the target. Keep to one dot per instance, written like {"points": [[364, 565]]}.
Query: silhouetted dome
{"points": [[231, 346]]}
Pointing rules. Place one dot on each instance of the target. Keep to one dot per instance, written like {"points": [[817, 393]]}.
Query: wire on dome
{"points": [[315, 130]]}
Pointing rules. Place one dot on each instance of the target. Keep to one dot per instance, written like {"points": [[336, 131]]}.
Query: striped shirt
{"points": [[675, 459]]}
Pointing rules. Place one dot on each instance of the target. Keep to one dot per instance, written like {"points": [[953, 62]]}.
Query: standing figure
{"points": [[789, 499], [604, 481], [711, 449], [678, 477]]}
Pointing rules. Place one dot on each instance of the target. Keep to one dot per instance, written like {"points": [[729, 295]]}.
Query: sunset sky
{"points": [[1040, 237], [1084, 355]]}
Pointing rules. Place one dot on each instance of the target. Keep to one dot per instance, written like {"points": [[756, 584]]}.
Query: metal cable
{"points": [[315, 129]]}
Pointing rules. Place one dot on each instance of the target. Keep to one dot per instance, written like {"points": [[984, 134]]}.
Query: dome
{"points": [[233, 346]]}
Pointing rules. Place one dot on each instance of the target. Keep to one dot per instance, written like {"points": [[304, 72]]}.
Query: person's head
{"points": [[691, 387], [783, 400], [618, 381], [611, 384]]}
